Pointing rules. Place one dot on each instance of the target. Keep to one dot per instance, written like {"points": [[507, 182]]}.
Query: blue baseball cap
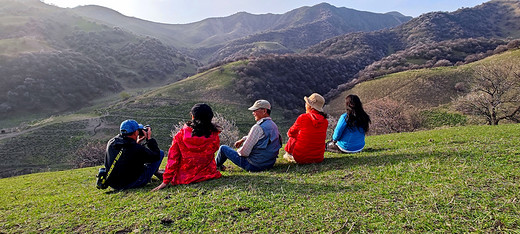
{"points": [[129, 126]]}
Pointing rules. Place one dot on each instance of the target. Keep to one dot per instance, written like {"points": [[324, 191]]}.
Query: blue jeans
{"points": [[225, 152], [146, 177]]}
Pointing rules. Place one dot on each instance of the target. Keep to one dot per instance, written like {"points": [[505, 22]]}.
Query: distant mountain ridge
{"points": [[494, 19], [294, 30]]}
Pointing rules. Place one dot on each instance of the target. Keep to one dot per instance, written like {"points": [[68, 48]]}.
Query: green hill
{"points": [[230, 94], [462, 179], [92, 64], [424, 89], [57, 138]]}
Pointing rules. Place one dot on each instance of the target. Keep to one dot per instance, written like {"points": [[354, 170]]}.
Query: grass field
{"points": [[463, 179]]}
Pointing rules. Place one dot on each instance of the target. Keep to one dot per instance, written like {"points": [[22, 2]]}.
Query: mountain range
{"points": [[129, 53], [55, 60], [218, 38]]}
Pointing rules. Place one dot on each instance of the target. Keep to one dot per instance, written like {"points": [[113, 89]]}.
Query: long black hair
{"points": [[201, 123], [357, 117]]}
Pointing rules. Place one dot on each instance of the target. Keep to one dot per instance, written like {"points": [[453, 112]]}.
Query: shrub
{"points": [[229, 134], [91, 154], [390, 116], [124, 95]]}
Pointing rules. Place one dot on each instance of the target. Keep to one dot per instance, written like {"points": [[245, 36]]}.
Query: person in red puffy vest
{"points": [[307, 135], [192, 155]]}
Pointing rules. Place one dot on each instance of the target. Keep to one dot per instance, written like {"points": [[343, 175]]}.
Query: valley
{"points": [[71, 81]]}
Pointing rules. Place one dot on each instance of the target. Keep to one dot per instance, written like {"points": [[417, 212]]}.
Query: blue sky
{"points": [[187, 11]]}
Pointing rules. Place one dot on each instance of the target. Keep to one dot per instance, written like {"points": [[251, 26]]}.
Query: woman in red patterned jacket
{"points": [[192, 155], [306, 142]]}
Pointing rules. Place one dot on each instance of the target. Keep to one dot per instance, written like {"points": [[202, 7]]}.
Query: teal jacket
{"points": [[351, 139]]}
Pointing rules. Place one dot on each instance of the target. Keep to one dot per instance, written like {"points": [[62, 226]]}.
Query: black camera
{"points": [[145, 129], [101, 178]]}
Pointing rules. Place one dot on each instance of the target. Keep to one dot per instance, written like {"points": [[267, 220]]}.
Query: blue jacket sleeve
{"points": [[340, 127]]}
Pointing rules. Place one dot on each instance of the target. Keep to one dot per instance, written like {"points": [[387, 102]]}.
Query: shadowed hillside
{"points": [[53, 60], [325, 21]]}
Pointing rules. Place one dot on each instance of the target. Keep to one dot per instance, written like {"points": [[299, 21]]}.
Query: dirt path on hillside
{"points": [[93, 125], [12, 132]]}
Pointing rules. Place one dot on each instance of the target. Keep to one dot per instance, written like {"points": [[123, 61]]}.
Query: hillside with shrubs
{"points": [[430, 40], [285, 79], [432, 97], [51, 82], [412, 73], [493, 19], [53, 61]]}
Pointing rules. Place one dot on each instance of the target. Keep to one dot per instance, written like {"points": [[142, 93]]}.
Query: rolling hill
{"points": [[57, 138], [229, 88], [421, 91]]}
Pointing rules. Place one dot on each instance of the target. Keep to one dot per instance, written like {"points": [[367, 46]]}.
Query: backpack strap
{"points": [[112, 166]]}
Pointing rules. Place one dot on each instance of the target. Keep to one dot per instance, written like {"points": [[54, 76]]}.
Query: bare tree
{"points": [[496, 93], [389, 116], [229, 134]]}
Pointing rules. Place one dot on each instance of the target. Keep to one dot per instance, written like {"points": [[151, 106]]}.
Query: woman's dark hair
{"points": [[201, 123], [357, 117], [322, 113]]}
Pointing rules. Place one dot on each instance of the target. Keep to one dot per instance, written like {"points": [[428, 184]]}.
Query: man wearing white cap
{"points": [[259, 149]]}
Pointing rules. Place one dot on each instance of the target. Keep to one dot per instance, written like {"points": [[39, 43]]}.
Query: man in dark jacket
{"points": [[139, 157]]}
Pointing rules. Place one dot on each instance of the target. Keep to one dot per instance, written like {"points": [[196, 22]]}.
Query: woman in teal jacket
{"points": [[349, 134]]}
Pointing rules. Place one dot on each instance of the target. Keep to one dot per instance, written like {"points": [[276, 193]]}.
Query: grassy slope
{"points": [[423, 89], [170, 104], [462, 179], [57, 138]]}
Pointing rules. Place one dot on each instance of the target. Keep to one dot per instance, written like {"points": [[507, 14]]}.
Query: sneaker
{"points": [[289, 157], [332, 147], [159, 174]]}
